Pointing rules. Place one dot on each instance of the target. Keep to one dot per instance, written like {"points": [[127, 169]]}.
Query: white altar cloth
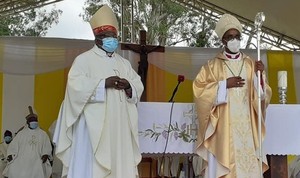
{"points": [[154, 121], [282, 126], [282, 129]]}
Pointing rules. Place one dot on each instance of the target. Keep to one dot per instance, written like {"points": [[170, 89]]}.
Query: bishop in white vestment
{"points": [[96, 134]]}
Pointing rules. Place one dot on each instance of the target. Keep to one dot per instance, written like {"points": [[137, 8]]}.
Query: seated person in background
{"points": [[29, 152], [3, 150]]}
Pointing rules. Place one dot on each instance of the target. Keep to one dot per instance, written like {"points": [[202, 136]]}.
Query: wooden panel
{"points": [[147, 168], [278, 167]]}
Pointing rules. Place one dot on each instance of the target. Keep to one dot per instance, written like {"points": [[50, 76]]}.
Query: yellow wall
{"points": [[160, 86], [49, 93]]}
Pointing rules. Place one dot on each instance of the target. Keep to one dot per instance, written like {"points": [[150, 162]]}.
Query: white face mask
{"points": [[234, 45]]}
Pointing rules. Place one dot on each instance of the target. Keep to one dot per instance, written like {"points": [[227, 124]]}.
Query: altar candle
{"points": [[282, 79]]}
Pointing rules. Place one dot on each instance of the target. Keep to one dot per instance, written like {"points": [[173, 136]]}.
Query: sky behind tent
{"points": [[70, 24]]}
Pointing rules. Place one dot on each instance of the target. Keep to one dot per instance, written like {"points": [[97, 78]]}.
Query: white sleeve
{"points": [[222, 93], [99, 94], [134, 97], [262, 96]]}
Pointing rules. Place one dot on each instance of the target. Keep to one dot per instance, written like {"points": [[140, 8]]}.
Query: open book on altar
{"points": [[282, 128]]}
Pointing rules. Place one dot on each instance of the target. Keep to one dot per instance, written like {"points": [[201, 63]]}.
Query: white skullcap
{"points": [[226, 23], [104, 19]]}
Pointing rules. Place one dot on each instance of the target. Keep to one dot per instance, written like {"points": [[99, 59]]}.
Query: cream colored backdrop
{"points": [[34, 72]]}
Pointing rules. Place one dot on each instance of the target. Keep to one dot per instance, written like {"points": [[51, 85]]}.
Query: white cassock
{"points": [[3, 154], [27, 149], [96, 134]]}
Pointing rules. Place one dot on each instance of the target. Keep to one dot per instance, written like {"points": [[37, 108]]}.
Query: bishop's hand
{"points": [[9, 158], [259, 65], [112, 82], [123, 84], [44, 158], [233, 82]]}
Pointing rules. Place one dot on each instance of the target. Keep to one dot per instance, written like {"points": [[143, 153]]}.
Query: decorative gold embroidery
{"points": [[244, 152]]}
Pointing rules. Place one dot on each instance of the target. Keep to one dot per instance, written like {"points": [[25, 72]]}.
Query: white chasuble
{"points": [[27, 149], [99, 133], [3, 155]]}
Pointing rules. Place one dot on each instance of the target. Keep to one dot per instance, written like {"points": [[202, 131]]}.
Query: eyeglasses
{"points": [[231, 37]]}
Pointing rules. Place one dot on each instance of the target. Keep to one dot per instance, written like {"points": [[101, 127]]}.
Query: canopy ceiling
{"points": [[9, 7], [282, 17]]}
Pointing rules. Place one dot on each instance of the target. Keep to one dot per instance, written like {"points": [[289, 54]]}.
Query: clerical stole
{"points": [[241, 136]]}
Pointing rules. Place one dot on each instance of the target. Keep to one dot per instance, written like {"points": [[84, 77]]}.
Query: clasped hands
{"points": [[117, 83]]}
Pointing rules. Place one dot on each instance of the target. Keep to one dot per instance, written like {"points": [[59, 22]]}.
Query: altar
{"points": [[282, 125], [180, 119]]}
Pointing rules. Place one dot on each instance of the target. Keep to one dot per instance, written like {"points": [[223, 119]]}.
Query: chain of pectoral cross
{"points": [[232, 71], [239, 74]]}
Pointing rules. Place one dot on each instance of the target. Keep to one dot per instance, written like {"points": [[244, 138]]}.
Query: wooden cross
{"points": [[143, 49]]}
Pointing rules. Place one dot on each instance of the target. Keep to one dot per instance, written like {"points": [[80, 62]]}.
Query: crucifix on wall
{"points": [[143, 49]]}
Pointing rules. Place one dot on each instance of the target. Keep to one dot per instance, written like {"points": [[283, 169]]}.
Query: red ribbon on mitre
{"points": [[104, 28]]}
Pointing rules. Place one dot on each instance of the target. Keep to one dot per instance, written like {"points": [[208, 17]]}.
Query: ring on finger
{"points": [[238, 83], [116, 82]]}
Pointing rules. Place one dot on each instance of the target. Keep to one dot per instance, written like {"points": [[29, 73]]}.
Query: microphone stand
{"points": [[174, 91], [180, 79]]}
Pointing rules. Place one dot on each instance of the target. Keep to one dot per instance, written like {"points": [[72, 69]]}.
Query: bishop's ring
{"points": [[116, 83]]}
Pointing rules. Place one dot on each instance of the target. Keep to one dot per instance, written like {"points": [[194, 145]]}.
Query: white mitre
{"points": [[103, 20], [226, 23]]}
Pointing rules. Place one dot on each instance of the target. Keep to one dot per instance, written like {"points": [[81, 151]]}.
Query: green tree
{"points": [[203, 35], [34, 22], [166, 22]]}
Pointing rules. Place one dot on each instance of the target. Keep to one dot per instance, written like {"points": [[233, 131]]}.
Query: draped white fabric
{"points": [[35, 55], [32, 55], [187, 61]]}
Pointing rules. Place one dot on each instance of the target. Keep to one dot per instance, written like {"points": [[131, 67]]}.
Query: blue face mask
{"points": [[33, 124], [7, 139], [110, 44]]}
